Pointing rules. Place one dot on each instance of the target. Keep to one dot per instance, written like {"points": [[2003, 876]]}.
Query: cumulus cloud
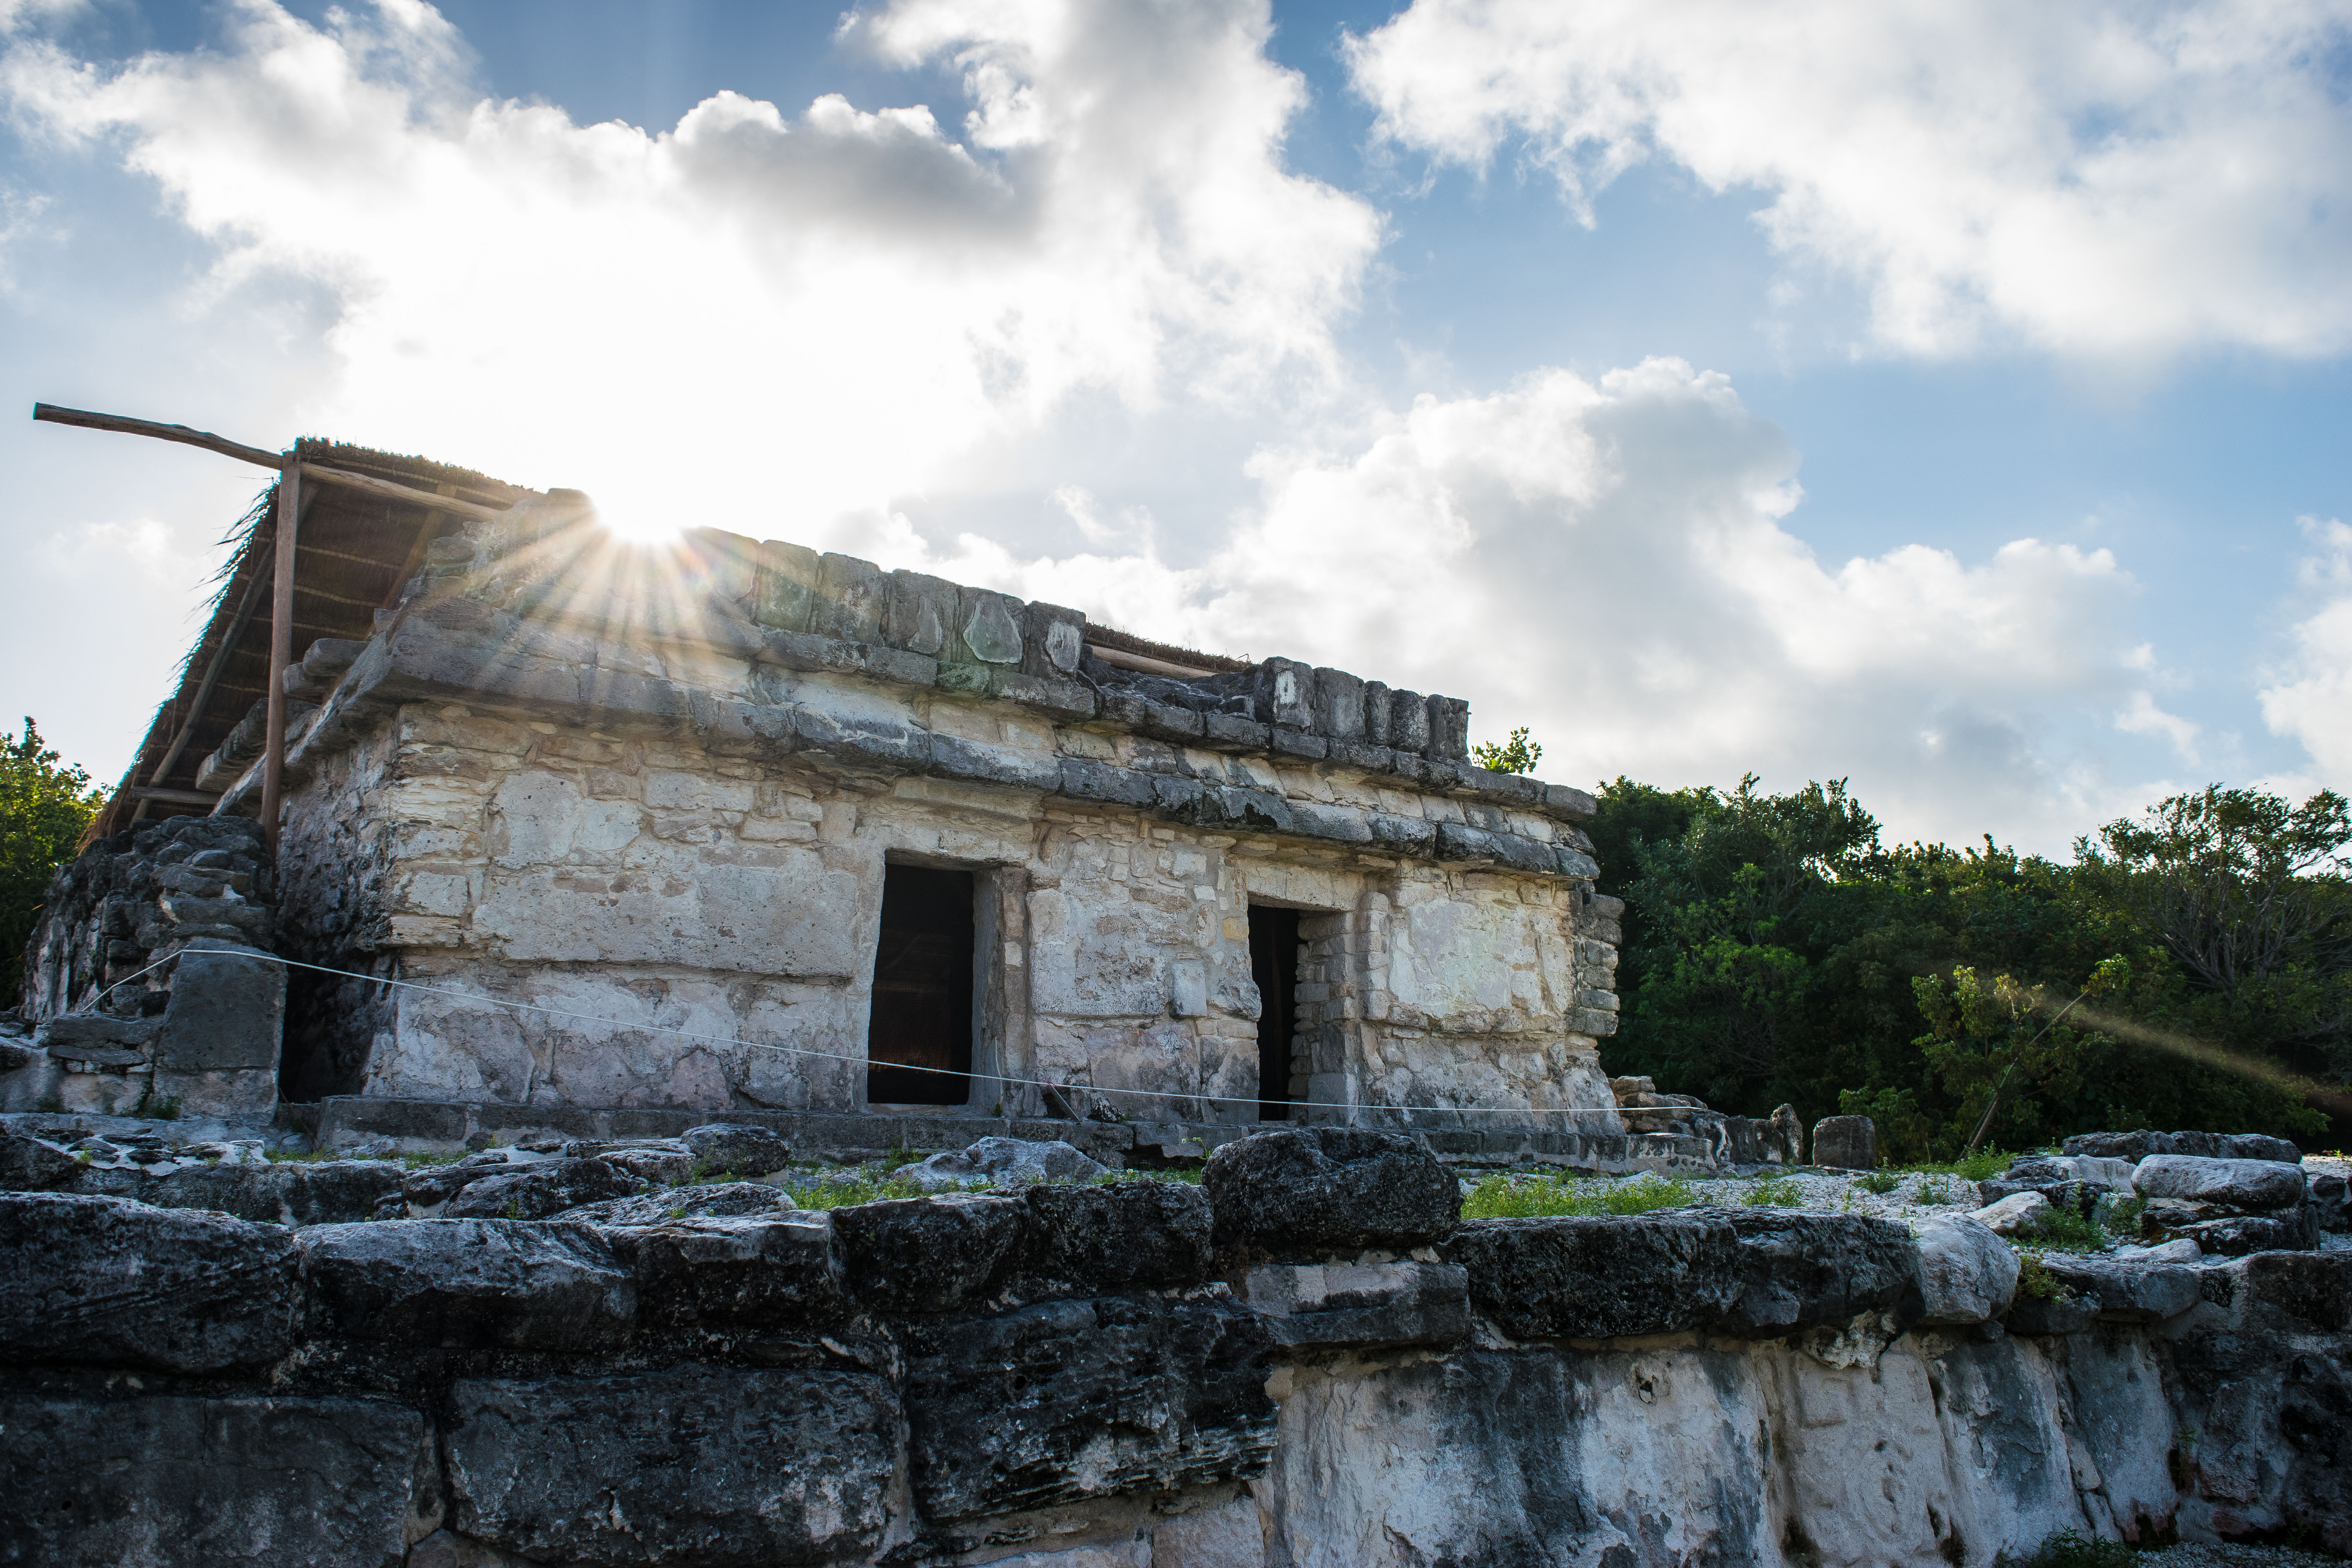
{"points": [[1607, 560], [2105, 180], [2309, 698], [755, 313]]}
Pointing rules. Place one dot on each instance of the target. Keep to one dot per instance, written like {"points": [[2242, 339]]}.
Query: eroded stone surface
{"points": [[1967, 1273], [470, 1283], [543, 1190], [1595, 1277], [1803, 1270], [113, 1282], [1318, 1191], [694, 1465], [2240, 1183], [1073, 1399]]}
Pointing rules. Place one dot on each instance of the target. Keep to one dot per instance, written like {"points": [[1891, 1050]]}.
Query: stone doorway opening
{"points": [[922, 990], [1275, 954]]}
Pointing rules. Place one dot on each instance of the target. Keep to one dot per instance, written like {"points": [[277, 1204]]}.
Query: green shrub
{"points": [[1933, 1191], [2120, 1215], [1780, 1193], [2034, 1278], [422, 1158], [2063, 1230], [1881, 1182]]}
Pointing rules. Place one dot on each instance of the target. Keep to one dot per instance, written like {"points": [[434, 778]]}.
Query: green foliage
{"points": [[1532, 1196], [2063, 1230], [1879, 1182], [1780, 1193], [2034, 1278], [44, 809], [2190, 972], [2069, 1549], [156, 1107], [424, 1158], [1516, 755], [2120, 1216]]}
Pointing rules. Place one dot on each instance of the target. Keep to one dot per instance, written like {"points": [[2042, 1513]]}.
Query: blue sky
{"points": [[1959, 405]]}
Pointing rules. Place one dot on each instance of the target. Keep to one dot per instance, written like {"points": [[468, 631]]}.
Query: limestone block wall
{"points": [[633, 803], [1308, 1364]]}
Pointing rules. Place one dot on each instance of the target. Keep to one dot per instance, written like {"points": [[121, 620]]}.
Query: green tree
{"points": [[1516, 755], [44, 809]]}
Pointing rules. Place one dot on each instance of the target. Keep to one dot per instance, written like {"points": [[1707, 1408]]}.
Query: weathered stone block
{"points": [[2138, 1146], [1378, 725], [29, 1164], [930, 1255], [471, 1284], [730, 562], [773, 1271], [1846, 1142], [1967, 1274], [1312, 1192], [1123, 1236], [1053, 640], [738, 1148], [1449, 730], [1408, 721], [1108, 783], [166, 1480], [1339, 705], [1067, 1400], [332, 1193], [1359, 1305], [1283, 693], [786, 591], [2240, 1183], [1803, 1270], [1601, 1277], [2128, 1292], [918, 613], [988, 627], [689, 1465], [109, 1281], [542, 1190], [850, 594]]}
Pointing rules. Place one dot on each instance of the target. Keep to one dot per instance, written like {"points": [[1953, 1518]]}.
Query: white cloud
{"points": [[755, 314], [1605, 561], [2310, 698], [2104, 180]]}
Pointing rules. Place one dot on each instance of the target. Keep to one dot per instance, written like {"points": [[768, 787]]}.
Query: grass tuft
{"points": [[1502, 1196]]}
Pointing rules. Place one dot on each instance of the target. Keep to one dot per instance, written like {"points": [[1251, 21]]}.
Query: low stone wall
{"points": [[1306, 1359], [148, 986]]}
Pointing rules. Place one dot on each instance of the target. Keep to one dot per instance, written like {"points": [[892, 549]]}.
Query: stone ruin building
{"points": [[750, 828]]}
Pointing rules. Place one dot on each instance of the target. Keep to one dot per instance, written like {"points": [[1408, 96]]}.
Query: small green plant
{"points": [[1502, 1196], [154, 1107], [2034, 1278], [2063, 1230], [1934, 1190], [52, 1103], [514, 1208], [1879, 1182], [298, 1157], [1780, 1193], [2071, 1549], [1516, 755], [419, 1159], [900, 1156], [2120, 1215]]}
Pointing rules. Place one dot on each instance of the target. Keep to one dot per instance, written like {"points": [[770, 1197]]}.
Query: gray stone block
{"points": [[1283, 692], [2126, 1291], [1362, 1306], [1330, 1191], [335, 1192], [1339, 705], [112, 1282], [767, 1271], [2240, 1184], [165, 1480], [2138, 1146], [1068, 1400], [919, 614], [849, 599], [888, 746], [471, 1284], [931, 1255], [1449, 730], [228, 1011], [785, 594], [1299, 743], [1337, 824], [1567, 801], [737, 1148], [988, 628], [1053, 640], [1086, 1241], [1408, 721], [1377, 714], [1406, 835], [1233, 732], [1601, 1277], [542, 1190], [1802, 1270], [689, 1465], [1108, 783], [1846, 1142], [730, 562], [31, 1164]]}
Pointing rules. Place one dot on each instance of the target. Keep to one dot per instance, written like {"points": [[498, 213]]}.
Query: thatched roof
{"points": [[353, 551]]}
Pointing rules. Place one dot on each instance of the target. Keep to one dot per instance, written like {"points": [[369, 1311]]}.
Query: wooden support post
{"points": [[281, 650]]}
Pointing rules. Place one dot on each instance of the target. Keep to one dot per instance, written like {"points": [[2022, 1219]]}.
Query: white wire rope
{"points": [[480, 999]]}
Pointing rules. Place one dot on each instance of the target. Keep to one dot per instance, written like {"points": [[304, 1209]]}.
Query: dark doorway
{"points": [[1274, 965], [922, 990]]}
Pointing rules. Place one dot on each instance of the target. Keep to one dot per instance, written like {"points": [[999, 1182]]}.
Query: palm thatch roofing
{"points": [[353, 551]]}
